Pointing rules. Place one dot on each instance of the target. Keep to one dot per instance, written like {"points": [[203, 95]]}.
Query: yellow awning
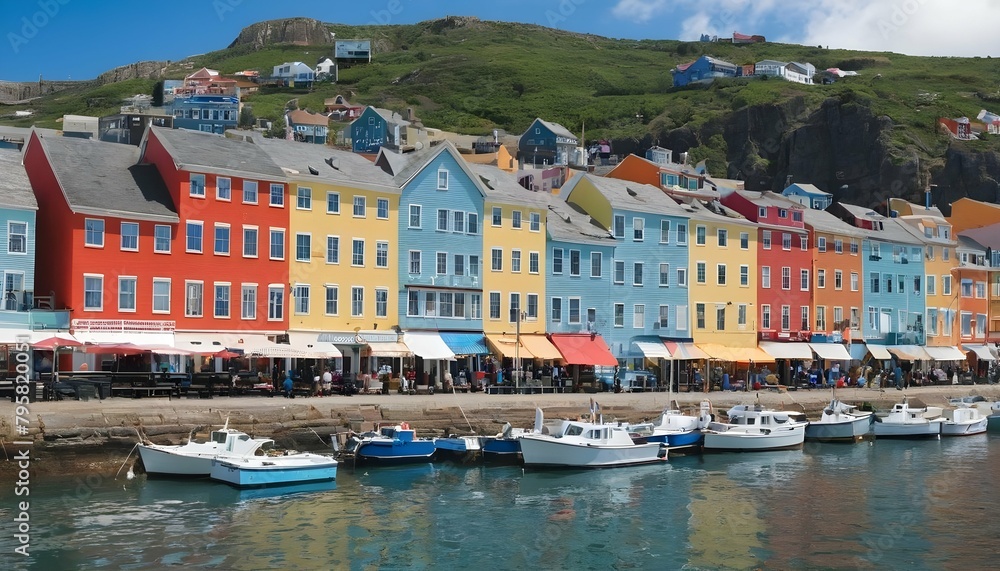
{"points": [[507, 346], [735, 354], [540, 347]]}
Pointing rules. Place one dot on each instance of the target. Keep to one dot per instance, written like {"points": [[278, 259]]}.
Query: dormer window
{"points": [[762, 212], [442, 183], [782, 213]]}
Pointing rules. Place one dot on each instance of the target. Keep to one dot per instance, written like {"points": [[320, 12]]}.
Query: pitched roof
{"points": [[823, 221], [633, 196], [197, 151], [557, 129], [332, 165], [568, 223], [303, 117], [988, 236], [712, 211], [15, 188], [502, 187], [808, 189], [768, 198], [104, 179], [892, 229]]}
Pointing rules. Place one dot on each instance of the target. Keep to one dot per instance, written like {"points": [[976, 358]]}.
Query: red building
{"points": [[786, 282]]}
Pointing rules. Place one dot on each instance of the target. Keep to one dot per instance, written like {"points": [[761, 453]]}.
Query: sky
{"points": [[79, 39]]}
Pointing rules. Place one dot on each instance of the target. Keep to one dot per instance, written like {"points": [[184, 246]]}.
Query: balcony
{"points": [[456, 282]]}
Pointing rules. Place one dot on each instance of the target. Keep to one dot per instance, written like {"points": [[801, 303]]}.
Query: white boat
{"points": [[840, 422], [754, 428], [261, 471], [963, 421], [578, 444], [904, 421], [195, 458], [675, 428]]}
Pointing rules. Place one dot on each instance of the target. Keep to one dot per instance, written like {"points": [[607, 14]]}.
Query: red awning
{"points": [[583, 349]]}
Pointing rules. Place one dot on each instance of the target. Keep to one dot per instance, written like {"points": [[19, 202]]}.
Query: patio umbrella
{"points": [[56, 342], [227, 354]]}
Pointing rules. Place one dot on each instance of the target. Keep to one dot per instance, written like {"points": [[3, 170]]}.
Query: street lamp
{"points": [[517, 316]]}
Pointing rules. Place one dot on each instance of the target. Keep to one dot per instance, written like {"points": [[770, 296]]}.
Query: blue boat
{"points": [[459, 448], [391, 444], [676, 429], [506, 446], [262, 471]]}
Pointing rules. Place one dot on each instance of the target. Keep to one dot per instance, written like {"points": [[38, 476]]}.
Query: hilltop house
{"points": [[308, 127], [991, 120], [960, 128], [377, 127], [341, 110], [352, 51], [809, 196], [704, 69], [326, 68], [790, 71], [294, 74], [546, 143], [739, 38]]}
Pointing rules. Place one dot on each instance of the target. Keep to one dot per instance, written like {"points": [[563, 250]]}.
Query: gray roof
{"points": [[823, 221], [970, 244], [635, 197], [987, 236], [768, 198], [206, 152], [501, 186], [910, 223], [15, 188], [556, 128], [892, 229], [104, 179], [333, 165], [391, 116], [568, 223], [404, 165], [712, 211]]}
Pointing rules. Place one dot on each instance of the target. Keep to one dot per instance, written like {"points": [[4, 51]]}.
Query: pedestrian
{"points": [[327, 382], [288, 386]]}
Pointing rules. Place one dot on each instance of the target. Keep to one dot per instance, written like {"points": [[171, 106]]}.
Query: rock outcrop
{"points": [[138, 70], [12, 92], [298, 31]]}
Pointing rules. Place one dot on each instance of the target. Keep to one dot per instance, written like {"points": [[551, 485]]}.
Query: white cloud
{"points": [[694, 26], [639, 11]]}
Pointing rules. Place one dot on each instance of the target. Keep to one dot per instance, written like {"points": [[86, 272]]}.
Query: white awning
{"points": [[652, 350], [9, 336], [831, 351], [909, 352], [389, 350], [207, 342], [945, 353], [787, 350], [308, 343], [428, 344], [879, 352], [139, 338], [981, 351]]}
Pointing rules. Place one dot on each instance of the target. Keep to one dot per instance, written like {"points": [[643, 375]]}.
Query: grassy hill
{"points": [[471, 76]]}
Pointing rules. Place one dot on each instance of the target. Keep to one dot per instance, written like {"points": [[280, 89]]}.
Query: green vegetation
{"points": [[471, 76]]}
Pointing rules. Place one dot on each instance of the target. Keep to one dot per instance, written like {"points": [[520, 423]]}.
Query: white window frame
{"points": [[99, 277], [135, 293], [335, 197], [156, 229], [272, 196], [188, 309], [256, 241], [246, 288], [187, 236], [303, 198], [219, 186], [215, 239], [121, 242], [308, 254], [215, 300], [154, 295], [270, 243], [86, 232]]}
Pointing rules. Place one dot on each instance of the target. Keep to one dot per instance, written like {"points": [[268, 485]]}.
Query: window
{"points": [[664, 319], [358, 252], [699, 315], [360, 206], [638, 316], [803, 242], [442, 220], [765, 317], [701, 273], [786, 241], [414, 261], [980, 324], [494, 305], [515, 261], [221, 304], [637, 274], [557, 260], [474, 266], [574, 310], [619, 310], [618, 226], [161, 239], [741, 316], [472, 223], [535, 222], [333, 205], [945, 285], [855, 278], [699, 235], [194, 237], [855, 318], [820, 279], [664, 275], [804, 324], [129, 242], [333, 249], [786, 317], [762, 212], [223, 189], [638, 229], [720, 274], [821, 244], [723, 237], [681, 318], [556, 309], [497, 218], [765, 239], [786, 277], [303, 198], [458, 221], [782, 213], [441, 265], [966, 288], [197, 186], [931, 285], [442, 180], [887, 278], [277, 194], [161, 295], [838, 317], [194, 299], [720, 318], [574, 262], [966, 319], [874, 280], [414, 216], [382, 209], [682, 236], [744, 240], [664, 231], [93, 233], [475, 306], [744, 276], [221, 240], [275, 303], [250, 192], [916, 286], [619, 277], [533, 264], [381, 254], [532, 308], [303, 247], [249, 241], [248, 301], [838, 246], [980, 290], [515, 219], [945, 254], [126, 294], [93, 292], [277, 249], [496, 259], [765, 277], [932, 320], [682, 277], [332, 305], [382, 302]]}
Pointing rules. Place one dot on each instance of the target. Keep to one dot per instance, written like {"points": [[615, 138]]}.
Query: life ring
{"points": [[404, 426]]}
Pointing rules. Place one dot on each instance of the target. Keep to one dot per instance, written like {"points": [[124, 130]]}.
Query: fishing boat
{"points": [[194, 459], [905, 421], [580, 444], [396, 443], [840, 422], [262, 471], [460, 448], [755, 428], [964, 420], [506, 446], [675, 428]]}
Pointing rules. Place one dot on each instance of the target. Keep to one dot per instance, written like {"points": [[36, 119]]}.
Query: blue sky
{"points": [[79, 39]]}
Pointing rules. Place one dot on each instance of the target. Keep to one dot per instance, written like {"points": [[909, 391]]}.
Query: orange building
{"points": [[672, 178], [967, 213]]}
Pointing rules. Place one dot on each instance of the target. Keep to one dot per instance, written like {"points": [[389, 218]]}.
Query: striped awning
{"points": [[466, 343]]}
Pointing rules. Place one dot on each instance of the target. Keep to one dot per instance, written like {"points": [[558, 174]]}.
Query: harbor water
{"points": [[887, 505]]}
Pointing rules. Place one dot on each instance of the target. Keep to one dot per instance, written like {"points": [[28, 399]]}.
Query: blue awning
{"points": [[466, 343]]}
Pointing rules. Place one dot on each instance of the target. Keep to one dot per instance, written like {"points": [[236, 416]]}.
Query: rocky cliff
{"points": [[138, 70], [12, 92], [298, 31]]}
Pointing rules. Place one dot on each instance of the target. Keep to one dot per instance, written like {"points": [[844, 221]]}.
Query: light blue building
{"points": [[209, 113], [809, 196], [644, 289]]}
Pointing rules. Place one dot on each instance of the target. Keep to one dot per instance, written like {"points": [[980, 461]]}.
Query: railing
{"points": [[123, 325]]}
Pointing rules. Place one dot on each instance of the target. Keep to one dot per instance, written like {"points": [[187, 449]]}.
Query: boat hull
{"points": [[844, 431], [735, 440], [993, 423], [501, 449], [907, 430], [541, 451], [463, 448], [977, 426], [260, 472], [686, 438], [165, 461], [396, 451]]}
